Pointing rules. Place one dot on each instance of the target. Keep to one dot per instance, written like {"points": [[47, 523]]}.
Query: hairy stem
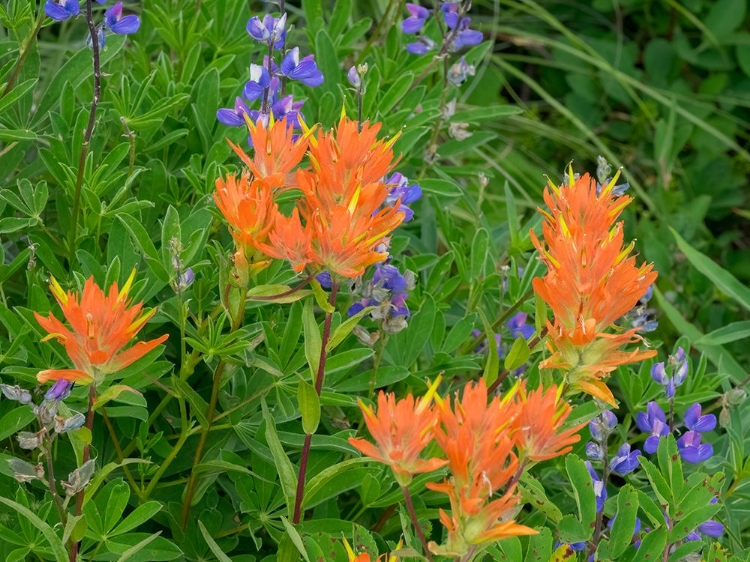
{"points": [[73, 232], [415, 522], [118, 450], [318, 387]]}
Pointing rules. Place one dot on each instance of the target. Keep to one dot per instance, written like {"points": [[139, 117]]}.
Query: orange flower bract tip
{"points": [[591, 282], [100, 328], [401, 430], [537, 426]]}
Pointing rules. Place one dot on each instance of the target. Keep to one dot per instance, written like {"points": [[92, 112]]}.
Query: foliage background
{"points": [[659, 87]]}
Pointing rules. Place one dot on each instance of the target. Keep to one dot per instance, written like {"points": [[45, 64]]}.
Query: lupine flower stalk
{"points": [[592, 281]]}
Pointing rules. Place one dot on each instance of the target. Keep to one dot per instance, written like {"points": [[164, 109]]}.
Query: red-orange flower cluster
{"points": [[487, 447], [592, 281], [102, 325], [340, 222]]}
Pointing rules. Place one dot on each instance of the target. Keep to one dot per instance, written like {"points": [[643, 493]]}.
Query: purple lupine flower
{"points": [[416, 20], [482, 347], [59, 391], [234, 117], [389, 277], [304, 70], [654, 421], [186, 279], [600, 490], [625, 461], [602, 425], [403, 193], [594, 451], [61, 10], [324, 278], [465, 37], [691, 448], [387, 292], [354, 78], [115, 22], [518, 326], [260, 79], [694, 421], [712, 528], [678, 366], [269, 30], [422, 46]]}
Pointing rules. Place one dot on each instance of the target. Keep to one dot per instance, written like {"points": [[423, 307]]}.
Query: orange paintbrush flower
{"points": [[365, 556], [540, 415], [250, 210], [592, 281], [276, 152], [401, 430], [347, 161], [476, 438], [101, 326]]}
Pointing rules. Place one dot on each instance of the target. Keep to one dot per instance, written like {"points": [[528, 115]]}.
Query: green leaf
{"points": [[583, 490], [394, 93], [15, 420], [309, 407], [198, 406], [540, 546], [345, 328], [492, 366], [328, 62], [16, 93], [215, 548], [295, 538], [441, 187], [313, 340], [284, 466], [479, 253], [658, 483], [533, 493], [671, 466], [273, 290], [137, 517], [58, 550], [652, 545], [723, 280], [726, 334], [327, 475], [624, 526], [17, 135], [518, 355]]}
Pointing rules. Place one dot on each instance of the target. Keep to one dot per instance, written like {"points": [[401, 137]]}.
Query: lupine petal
{"points": [[412, 25], [56, 11], [127, 25], [659, 373], [112, 15], [651, 444], [73, 6], [712, 528], [229, 117]]}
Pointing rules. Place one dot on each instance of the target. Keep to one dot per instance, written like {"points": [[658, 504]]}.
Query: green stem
{"points": [[193, 481], [87, 133], [24, 53], [86, 456], [120, 456], [318, 387]]}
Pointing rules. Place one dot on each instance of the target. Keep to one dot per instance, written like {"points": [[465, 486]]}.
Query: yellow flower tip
{"points": [[349, 551], [431, 393], [51, 336], [355, 200], [564, 227], [607, 189], [58, 291], [138, 323], [552, 186], [126, 287], [250, 125], [390, 142], [343, 112], [366, 410], [571, 175]]}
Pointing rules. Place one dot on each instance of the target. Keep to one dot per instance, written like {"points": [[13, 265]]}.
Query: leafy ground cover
{"points": [[373, 280]]}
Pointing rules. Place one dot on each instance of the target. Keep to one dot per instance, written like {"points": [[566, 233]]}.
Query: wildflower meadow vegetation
{"points": [[343, 281]]}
